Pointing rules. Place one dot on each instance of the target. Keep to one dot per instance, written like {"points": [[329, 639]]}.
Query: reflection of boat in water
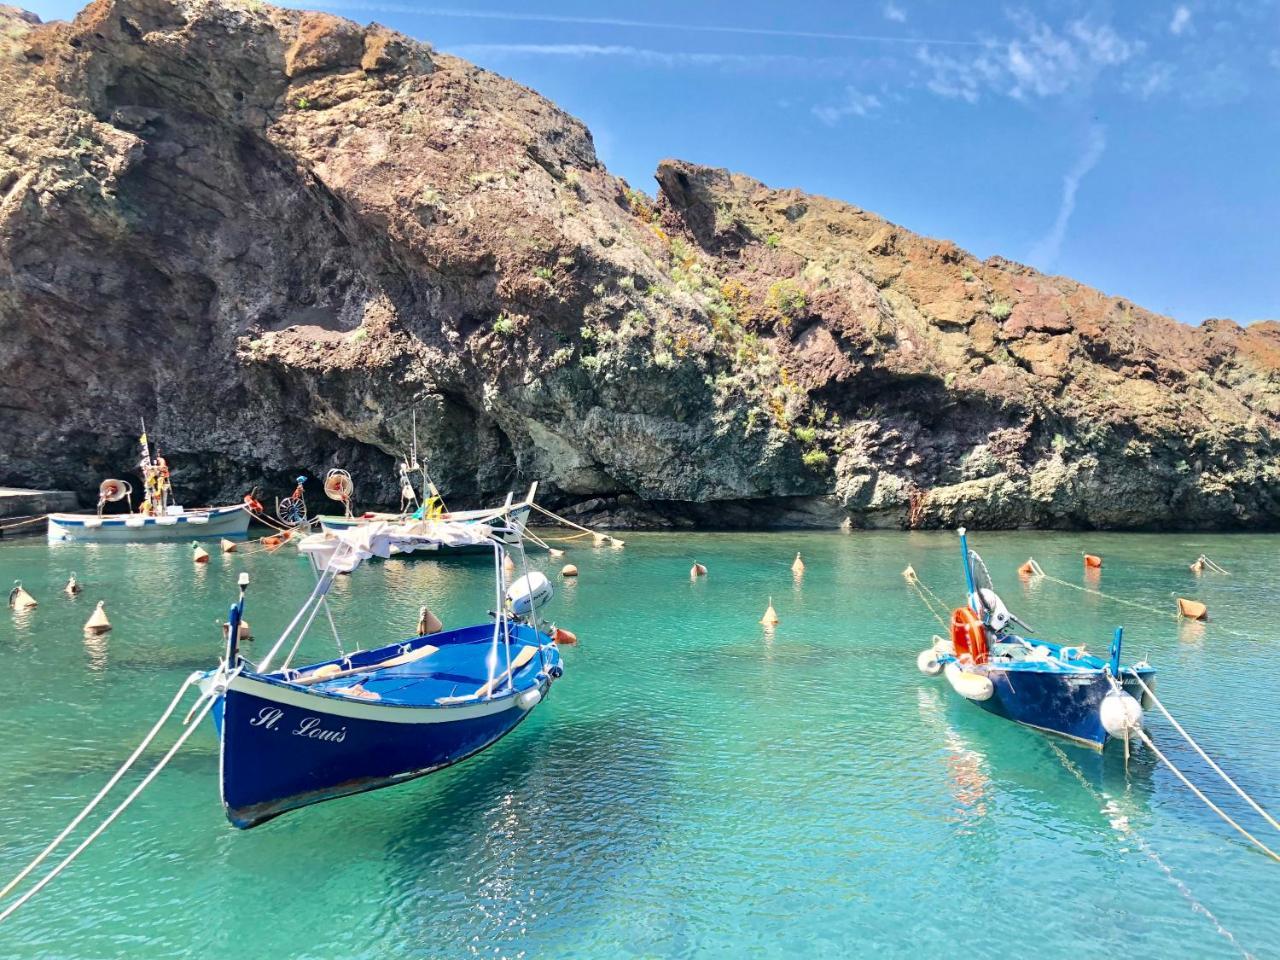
{"points": [[1059, 688], [296, 736], [157, 519]]}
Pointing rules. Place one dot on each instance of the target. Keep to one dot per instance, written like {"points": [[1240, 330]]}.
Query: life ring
{"points": [[252, 503], [968, 635]]}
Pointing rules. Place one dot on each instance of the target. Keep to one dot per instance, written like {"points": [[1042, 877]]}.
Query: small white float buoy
{"points": [[971, 686], [508, 565], [927, 663], [770, 618], [245, 632], [428, 622], [199, 554], [616, 543], [568, 570], [1121, 714], [555, 553], [228, 546], [797, 565], [19, 599], [598, 539], [696, 571], [909, 574], [98, 623], [72, 587]]}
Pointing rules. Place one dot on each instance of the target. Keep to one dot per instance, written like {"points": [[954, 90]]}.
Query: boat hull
{"points": [[1068, 704], [216, 522], [285, 747], [518, 517]]}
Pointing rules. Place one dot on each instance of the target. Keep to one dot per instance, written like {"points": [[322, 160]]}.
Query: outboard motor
{"points": [[998, 615]]}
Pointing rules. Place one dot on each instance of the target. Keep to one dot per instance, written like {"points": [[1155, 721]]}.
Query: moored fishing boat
{"points": [[293, 736], [157, 518], [1059, 688]]}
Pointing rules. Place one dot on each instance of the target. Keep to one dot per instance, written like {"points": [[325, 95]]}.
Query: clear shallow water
{"points": [[694, 786]]}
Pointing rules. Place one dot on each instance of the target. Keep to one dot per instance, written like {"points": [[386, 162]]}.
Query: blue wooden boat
{"points": [[374, 718], [1055, 687]]}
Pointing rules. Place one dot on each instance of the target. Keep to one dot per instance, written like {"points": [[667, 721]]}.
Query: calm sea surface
{"points": [[694, 786]]}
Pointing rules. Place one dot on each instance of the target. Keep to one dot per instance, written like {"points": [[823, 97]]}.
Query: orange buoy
{"points": [[1028, 569], [563, 637], [199, 554], [568, 570], [909, 574], [272, 542], [428, 622], [1092, 562], [98, 623], [696, 571], [1192, 610], [1198, 566], [19, 599], [228, 546], [797, 565], [770, 618]]}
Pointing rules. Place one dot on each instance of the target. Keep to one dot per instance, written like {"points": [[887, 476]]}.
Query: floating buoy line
{"points": [[1129, 726]]}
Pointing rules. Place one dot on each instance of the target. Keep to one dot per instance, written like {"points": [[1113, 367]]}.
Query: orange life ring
{"points": [[968, 635], [252, 503]]}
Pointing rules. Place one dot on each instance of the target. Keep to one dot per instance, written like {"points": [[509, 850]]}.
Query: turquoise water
{"points": [[694, 786]]}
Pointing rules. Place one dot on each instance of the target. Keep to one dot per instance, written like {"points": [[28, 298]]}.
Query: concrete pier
{"points": [[28, 503]]}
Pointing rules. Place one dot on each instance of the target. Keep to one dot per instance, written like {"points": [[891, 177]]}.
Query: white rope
{"points": [[67, 861], [151, 735], [1207, 802], [1186, 736]]}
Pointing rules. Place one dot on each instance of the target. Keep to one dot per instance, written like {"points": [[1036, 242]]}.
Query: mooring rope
{"points": [[1131, 835], [1207, 759], [920, 589], [120, 808], [569, 523], [1132, 603], [23, 523]]}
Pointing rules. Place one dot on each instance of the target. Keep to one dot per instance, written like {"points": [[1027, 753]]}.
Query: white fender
{"points": [[927, 663], [529, 699], [971, 686], [1121, 714]]}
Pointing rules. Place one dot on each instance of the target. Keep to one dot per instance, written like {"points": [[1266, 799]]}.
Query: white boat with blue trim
{"points": [[157, 518]]}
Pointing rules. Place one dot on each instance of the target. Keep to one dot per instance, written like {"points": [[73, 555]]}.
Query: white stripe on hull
{"points": [[340, 706], [133, 528]]}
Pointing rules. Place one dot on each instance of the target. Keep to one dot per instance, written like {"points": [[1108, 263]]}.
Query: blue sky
{"points": [[1132, 146]]}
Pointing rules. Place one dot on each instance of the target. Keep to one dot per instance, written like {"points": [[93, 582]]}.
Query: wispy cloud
{"points": [[1181, 21], [1150, 80], [649, 57], [355, 6], [1046, 250], [1038, 62], [855, 104], [895, 13]]}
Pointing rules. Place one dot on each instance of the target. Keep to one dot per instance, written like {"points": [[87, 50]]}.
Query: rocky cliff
{"points": [[275, 233]]}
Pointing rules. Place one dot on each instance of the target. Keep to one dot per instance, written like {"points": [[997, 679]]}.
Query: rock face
{"points": [[275, 234]]}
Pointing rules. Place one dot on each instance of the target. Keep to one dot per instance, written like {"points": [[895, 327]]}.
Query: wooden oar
{"points": [[317, 676], [521, 658]]}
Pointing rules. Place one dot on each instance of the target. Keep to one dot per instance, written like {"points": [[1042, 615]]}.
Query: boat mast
{"points": [[968, 571]]}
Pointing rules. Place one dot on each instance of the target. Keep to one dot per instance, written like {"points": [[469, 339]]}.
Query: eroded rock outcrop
{"points": [[274, 233]]}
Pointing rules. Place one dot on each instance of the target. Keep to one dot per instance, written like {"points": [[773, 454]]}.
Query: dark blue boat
{"points": [[1058, 688], [374, 718]]}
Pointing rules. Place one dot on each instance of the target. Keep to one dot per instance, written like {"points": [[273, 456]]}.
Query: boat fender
{"points": [[927, 663], [1121, 714], [529, 699], [563, 637], [528, 593], [556, 671], [971, 686]]}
